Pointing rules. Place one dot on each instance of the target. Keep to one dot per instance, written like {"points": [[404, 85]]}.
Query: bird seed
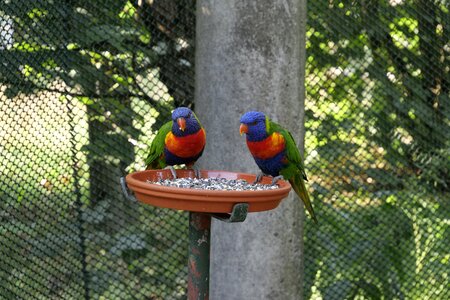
{"points": [[216, 184]]}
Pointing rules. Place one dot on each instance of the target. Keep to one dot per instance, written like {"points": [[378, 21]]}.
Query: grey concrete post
{"points": [[250, 56]]}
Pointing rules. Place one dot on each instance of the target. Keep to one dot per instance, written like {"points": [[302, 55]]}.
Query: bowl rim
{"points": [[283, 185]]}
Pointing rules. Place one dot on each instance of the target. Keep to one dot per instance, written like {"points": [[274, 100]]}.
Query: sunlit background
{"points": [[84, 86]]}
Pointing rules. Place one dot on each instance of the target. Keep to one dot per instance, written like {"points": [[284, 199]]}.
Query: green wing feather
{"points": [[155, 158], [295, 170]]}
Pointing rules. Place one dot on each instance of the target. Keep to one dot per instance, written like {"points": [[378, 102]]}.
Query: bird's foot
{"points": [[259, 176], [195, 169], [172, 170], [276, 178]]}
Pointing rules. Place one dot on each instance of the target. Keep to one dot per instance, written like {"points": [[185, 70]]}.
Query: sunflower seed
{"points": [[221, 184]]}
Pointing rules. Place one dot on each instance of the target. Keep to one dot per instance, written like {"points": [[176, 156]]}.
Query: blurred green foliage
{"points": [[102, 75], [377, 132], [84, 85]]}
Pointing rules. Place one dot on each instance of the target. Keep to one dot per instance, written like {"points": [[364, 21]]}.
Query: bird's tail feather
{"points": [[298, 184]]}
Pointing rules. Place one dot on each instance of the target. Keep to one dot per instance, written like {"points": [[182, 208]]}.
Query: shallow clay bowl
{"points": [[213, 201]]}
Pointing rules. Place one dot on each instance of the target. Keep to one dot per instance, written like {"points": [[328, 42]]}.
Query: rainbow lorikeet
{"points": [[180, 141], [276, 153]]}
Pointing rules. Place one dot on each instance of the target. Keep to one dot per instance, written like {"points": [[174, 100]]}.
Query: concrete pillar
{"points": [[250, 56]]}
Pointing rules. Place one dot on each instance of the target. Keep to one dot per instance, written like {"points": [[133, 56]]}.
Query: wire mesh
{"points": [[84, 86], [377, 144]]}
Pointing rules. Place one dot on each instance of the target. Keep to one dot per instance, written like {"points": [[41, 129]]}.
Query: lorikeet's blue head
{"points": [[184, 122], [253, 123]]}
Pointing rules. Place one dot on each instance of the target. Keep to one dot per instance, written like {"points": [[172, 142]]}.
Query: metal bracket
{"points": [[126, 191], [238, 214]]}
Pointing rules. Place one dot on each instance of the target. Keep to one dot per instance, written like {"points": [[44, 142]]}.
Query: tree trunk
{"points": [[250, 55]]}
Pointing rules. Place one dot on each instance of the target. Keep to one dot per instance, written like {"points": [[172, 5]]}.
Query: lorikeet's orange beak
{"points": [[243, 128], [181, 123]]}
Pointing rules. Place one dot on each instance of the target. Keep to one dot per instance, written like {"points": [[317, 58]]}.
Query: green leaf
{"points": [[98, 213], [339, 290], [370, 290], [135, 241]]}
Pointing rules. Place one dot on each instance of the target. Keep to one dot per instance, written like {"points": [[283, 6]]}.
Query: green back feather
{"points": [[293, 154], [295, 170], [155, 158]]}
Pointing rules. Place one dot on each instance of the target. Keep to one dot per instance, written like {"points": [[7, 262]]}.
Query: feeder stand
{"points": [[226, 206], [199, 248], [199, 244]]}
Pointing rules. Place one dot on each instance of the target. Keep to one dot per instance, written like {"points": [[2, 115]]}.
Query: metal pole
{"points": [[199, 244], [198, 261]]}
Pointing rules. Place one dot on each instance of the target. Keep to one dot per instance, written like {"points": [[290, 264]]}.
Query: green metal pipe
{"points": [[199, 248]]}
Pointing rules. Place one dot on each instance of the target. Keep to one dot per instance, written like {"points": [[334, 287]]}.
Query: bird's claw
{"points": [[172, 170], [276, 178], [259, 176], [196, 171]]}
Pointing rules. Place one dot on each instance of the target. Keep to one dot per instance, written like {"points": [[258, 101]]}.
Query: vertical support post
{"points": [[250, 55], [198, 261]]}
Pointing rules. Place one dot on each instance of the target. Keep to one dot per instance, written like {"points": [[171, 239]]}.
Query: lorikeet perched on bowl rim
{"points": [[276, 153], [180, 141]]}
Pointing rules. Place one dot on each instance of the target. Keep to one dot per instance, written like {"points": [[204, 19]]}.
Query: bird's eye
{"points": [[253, 123]]}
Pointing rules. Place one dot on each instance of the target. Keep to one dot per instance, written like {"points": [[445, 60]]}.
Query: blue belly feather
{"points": [[172, 159], [272, 166]]}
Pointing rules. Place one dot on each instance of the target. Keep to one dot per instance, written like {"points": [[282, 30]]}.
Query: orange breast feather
{"points": [[267, 148], [186, 146]]}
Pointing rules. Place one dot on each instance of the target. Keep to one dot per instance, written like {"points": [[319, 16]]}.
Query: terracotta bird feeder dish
{"points": [[229, 206], [203, 200]]}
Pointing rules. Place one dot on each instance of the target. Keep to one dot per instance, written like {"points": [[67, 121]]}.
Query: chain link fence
{"points": [[378, 151], [83, 86]]}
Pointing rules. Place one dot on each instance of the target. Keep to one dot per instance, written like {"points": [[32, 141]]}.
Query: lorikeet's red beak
{"points": [[181, 123], [243, 129]]}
